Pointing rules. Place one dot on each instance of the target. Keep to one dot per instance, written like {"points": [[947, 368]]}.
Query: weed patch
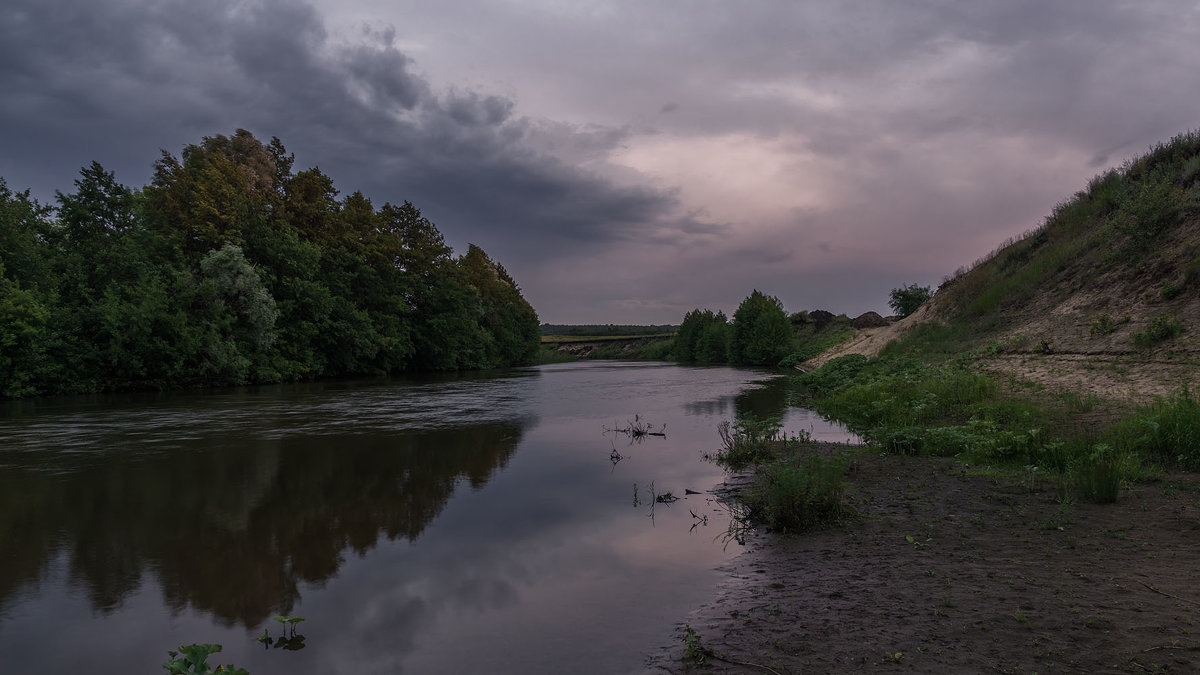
{"points": [[800, 493], [751, 440], [1161, 328]]}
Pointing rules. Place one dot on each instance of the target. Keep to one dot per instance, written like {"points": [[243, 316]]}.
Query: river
{"points": [[492, 523]]}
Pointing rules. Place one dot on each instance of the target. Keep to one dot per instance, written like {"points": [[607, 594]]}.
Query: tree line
{"points": [[231, 268], [759, 334]]}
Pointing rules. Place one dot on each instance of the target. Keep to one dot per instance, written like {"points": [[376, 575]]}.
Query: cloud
{"points": [[623, 159], [361, 108]]}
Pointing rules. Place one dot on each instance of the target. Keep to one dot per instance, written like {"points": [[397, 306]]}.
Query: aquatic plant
{"points": [[193, 660]]}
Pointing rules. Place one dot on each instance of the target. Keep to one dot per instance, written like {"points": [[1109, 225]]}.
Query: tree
{"points": [[762, 334], [507, 317], [240, 315], [906, 299], [703, 337]]}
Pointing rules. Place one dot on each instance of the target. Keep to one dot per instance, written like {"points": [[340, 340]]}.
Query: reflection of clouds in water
{"points": [[484, 594]]}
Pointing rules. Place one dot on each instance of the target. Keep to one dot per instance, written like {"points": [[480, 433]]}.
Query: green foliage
{"points": [[22, 332], [836, 373], [509, 320], [1166, 431], [906, 299], [605, 330], [1161, 328], [229, 268], [1148, 208], [694, 653], [1099, 475], [911, 406], [800, 493], [1105, 324], [762, 334], [810, 342], [642, 349], [703, 338], [193, 660], [748, 441], [1122, 216]]}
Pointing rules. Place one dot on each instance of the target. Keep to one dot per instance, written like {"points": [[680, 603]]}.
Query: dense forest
{"points": [[231, 268]]}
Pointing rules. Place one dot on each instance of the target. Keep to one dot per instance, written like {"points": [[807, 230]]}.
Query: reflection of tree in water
{"points": [[768, 398], [234, 531]]}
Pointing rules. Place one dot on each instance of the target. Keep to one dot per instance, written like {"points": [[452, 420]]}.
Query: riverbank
{"points": [[950, 568]]}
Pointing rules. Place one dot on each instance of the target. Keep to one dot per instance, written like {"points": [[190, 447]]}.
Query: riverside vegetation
{"points": [[1023, 503], [926, 393], [232, 268]]}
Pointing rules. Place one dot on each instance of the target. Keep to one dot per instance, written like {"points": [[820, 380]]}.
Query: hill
{"points": [[1103, 297]]}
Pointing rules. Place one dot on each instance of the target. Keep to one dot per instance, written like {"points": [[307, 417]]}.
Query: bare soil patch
{"points": [[948, 569]]}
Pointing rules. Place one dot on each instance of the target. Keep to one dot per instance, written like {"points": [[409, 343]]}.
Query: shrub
{"points": [[762, 334], [906, 299], [1167, 430], [1100, 475], [834, 374], [748, 441], [1161, 328], [800, 493], [1105, 324]]}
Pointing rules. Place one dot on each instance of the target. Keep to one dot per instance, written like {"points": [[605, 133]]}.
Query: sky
{"points": [[629, 161]]}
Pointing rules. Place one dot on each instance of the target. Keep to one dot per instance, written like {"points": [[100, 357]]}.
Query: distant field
{"points": [[560, 339]]}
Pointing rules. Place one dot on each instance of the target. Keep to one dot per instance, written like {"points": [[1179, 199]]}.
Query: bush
{"points": [[1105, 324], [762, 334], [1167, 431], [750, 440], [1160, 329], [800, 493], [1100, 475], [834, 374], [906, 299]]}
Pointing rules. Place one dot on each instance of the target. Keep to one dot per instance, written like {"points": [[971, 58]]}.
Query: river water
{"points": [[453, 524]]}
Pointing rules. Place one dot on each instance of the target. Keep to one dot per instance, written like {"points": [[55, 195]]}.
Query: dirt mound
{"points": [[869, 320], [869, 341]]}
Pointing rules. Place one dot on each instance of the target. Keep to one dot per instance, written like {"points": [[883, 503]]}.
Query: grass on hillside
{"points": [[1124, 218]]}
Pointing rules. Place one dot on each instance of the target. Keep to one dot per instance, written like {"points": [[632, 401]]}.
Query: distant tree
{"points": [[906, 299], [712, 347], [703, 337], [762, 334]]}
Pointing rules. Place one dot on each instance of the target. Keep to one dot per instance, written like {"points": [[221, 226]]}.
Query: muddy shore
{"points": [[949, 568]]}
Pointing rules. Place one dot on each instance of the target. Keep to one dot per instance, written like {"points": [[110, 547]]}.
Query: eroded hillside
{"points": [[1103, 297]]}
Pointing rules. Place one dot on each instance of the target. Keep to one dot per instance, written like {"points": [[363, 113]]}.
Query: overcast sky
{"points": [[628, 161]]}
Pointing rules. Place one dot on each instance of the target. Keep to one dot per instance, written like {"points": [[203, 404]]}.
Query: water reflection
{"points": [[768, 398], [234, 531], [459, 525]]}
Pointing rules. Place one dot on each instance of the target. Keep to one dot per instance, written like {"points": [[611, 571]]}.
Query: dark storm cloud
{"points": [[627, 160], [111, 79]]}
